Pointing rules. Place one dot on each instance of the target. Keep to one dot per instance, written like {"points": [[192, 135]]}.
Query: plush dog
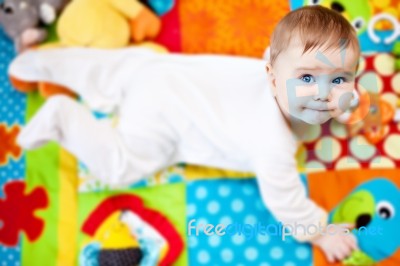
{"points": [[373, 208]]}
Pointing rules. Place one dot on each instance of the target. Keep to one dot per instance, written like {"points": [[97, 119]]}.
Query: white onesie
{"points": [[206, 109]]}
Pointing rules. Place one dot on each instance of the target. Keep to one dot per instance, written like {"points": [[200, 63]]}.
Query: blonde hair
{"points": [[316, 26]]}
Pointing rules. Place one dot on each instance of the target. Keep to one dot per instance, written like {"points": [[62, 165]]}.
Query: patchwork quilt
{"points": [[53, 212]]}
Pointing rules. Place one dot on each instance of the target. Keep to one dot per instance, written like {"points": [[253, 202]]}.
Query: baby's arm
{"points": [[285, 196]]}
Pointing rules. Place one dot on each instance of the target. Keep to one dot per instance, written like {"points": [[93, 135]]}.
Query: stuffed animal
{"points": [[357, 12], [106, 23], [22, 20], [373, 208]]}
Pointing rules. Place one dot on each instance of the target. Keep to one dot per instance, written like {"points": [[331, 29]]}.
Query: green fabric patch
{"points": [[168, 199], [42, 170]]}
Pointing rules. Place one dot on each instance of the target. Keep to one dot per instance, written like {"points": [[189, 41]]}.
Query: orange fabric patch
{"points": [[9, 147], [238, 28]]}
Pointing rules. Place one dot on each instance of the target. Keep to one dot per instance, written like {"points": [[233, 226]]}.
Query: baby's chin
{"points": [[317, 122], [315, 118]]}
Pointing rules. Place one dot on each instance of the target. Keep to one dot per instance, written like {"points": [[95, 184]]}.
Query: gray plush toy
{"points": [[22, 20]]}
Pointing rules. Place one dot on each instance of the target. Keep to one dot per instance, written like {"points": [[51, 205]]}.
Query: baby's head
{"points": [[314, 54]]}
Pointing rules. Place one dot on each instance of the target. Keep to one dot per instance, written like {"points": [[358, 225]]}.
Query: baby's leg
{"points": [[90, 73], [96, 143]]}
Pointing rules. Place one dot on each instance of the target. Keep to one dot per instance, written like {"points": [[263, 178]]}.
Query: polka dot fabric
{"points": [[10, 256], [12, 112], [329, 147], [237, 202]]}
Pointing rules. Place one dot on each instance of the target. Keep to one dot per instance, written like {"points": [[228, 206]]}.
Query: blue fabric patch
{"points": [[12, 112], [238, 203]]}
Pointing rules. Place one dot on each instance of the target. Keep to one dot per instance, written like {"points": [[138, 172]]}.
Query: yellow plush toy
{"points": [[106, 23]]}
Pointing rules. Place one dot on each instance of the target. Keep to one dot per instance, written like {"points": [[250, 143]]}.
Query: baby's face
{"points": [[314, 86]]}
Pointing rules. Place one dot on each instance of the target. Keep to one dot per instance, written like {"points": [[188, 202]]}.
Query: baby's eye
{"points": [[307, 78], [339, 80]]}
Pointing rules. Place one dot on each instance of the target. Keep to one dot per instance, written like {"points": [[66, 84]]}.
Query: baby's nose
{"points": [[323, 92]]}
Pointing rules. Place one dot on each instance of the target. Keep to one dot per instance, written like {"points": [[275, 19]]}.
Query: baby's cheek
{"points": [[306, 92], [299, 102], [297, 109], [343, 101]]}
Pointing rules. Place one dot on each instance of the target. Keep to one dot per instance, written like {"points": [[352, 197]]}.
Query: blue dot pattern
{"points": [[12, 112], [10, 256], [231, 201]]}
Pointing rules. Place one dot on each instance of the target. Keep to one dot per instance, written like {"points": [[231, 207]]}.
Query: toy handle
{"points": [[376, 19]]}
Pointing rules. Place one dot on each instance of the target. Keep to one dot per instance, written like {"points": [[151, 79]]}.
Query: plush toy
{"points": [[106, 23], [383, 17], [373, 208], [22, 20], [357, 12], [100, 24]]}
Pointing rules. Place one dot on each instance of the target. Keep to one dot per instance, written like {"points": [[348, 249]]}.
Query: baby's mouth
{"points": [[319, 110]]}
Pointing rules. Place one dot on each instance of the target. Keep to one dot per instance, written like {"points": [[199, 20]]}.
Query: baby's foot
{"points": [[44, 126], [25, 67]]}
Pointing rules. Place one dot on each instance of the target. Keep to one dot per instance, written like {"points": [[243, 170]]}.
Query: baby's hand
{"points": [[336, 246]]}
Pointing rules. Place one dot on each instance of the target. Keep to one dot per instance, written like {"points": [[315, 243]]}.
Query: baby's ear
{"points": [[271, 78]]}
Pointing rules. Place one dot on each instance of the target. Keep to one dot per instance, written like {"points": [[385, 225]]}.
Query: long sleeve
{"points": [[285, 196]]}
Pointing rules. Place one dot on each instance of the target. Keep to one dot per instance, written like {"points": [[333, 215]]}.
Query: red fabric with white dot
{"points": [[329, 147]]}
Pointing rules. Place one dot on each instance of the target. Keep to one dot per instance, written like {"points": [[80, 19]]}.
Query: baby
{"points": [[219, 111]]}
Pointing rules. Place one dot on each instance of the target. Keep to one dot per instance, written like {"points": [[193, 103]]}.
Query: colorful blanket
{"points": [[52, 212]]}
